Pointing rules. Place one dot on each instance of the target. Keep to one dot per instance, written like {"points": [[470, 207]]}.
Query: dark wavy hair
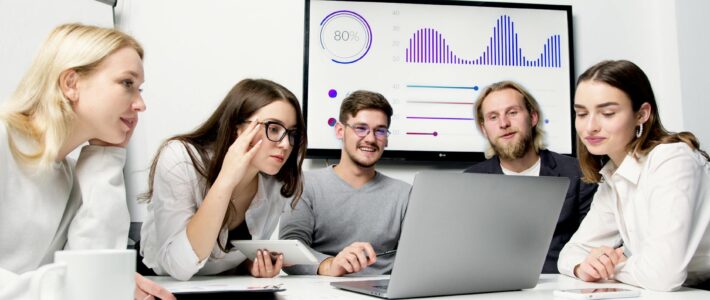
{"points": [[630, 79], [212, 139]]}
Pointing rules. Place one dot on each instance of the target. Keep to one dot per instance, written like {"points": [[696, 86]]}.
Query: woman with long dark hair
{"points": [[227, 180]]}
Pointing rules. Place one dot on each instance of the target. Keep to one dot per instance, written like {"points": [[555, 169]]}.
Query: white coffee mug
{"points": [[98, 274]]}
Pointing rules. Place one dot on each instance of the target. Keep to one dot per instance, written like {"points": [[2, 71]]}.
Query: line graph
{"points": [[427, 45]]}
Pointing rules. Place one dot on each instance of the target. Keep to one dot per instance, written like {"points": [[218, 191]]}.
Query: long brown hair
{"points": [[212, 139], [630, 79]]}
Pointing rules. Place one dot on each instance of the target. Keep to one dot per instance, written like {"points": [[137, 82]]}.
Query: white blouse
{"points": [[177, 194], [68, 206], [659, 208]]}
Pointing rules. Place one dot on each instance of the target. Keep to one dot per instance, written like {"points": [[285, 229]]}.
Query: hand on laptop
{"points": [[352, 259], [600, 264]]}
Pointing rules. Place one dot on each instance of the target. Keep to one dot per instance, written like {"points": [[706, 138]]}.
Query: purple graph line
{"points": [[439, 118], [427, 45]]}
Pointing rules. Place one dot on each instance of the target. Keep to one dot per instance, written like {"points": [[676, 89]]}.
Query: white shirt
{"points": [[65, 207], [178, 191], [534, 170], [659, 206]]}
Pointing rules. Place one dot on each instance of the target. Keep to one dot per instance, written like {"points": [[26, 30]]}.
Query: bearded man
{"points": [[509, 117]]}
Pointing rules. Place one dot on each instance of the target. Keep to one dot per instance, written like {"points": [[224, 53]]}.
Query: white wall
{"points": [[195, 52], [694, 48], [24, 24]]}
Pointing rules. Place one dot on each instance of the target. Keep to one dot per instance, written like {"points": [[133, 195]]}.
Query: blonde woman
{"points": [[648, 224], [83, 86]]}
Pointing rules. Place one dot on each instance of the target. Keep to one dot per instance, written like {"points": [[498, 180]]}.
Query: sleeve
{"points": [[674, 221], [173, 204], [597, 229], [298, 224], [29, 285], [103, 219]]}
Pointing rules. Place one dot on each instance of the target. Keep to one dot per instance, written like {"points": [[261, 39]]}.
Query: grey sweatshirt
{"points": [[331, 215]]}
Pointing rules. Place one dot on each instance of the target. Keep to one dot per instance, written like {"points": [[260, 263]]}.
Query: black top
{"points": [[577, 202], [240, 232]]}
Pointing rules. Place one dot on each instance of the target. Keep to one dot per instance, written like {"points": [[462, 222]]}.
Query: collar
{"points": [[630, 169]]}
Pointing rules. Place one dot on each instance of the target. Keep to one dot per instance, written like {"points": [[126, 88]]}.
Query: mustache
{"points": [[370, 145]]}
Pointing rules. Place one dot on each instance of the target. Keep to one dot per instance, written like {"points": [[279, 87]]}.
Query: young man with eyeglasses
{"points": [[349, 212], [509, 117]]}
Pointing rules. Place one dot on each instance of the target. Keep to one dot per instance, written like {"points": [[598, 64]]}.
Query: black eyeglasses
{"points": [[363, 130], [276, 132]]}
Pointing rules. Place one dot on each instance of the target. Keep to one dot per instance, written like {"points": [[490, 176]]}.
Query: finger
{"points": [[599, 267], [152, 288], [370, 253], [620, 254], [278, 265], [262, 261], [343, 263], [610, 254], [268, 265], [353, 261], [252, 129], [140, 294], [247, 135], [251, 152], [588, 271], [608, 264], [255, 266], [362, 261]]}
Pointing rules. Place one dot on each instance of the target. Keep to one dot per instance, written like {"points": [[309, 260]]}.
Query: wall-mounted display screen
{"points": [[431, 60]]}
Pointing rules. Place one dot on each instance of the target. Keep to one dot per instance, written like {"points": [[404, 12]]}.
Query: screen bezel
{"points": [[438, 156]]}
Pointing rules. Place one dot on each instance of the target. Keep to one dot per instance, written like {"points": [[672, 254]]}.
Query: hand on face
{"points": [[240, 154], [99, 142], [600, 264]]}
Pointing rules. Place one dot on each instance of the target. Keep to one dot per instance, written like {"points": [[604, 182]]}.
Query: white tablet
{"points": [[295, 253]]}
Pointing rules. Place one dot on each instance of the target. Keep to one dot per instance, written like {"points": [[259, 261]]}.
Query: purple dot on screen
{"points": [[332, 93], [547, 121], [435, 133], [331, 122]]}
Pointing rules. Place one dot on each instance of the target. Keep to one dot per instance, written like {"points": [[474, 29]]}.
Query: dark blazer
{"points": [[577, 202]]}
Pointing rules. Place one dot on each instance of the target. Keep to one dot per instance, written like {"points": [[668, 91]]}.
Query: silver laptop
{"points": [[471, 233]]}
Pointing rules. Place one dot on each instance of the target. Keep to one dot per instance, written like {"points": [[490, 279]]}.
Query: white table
{"points": [[318, 288]]}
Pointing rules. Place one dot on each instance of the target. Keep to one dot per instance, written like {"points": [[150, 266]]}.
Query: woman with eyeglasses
{"points": [[227, 180]]}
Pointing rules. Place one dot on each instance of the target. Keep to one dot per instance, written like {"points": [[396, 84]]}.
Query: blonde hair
{"points": [[530, 104], [38, 108]]}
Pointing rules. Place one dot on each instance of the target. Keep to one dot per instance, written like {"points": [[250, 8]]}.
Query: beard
{"points": [[359, 162], [515, 149]]}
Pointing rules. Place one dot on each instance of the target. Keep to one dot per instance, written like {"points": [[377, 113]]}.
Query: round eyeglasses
{"points": [[276, 132], [363, 130]]}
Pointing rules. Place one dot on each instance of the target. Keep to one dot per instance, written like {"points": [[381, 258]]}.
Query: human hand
{"points": [[266, 264], [352, 259], [123, 144], [600, 264], [147, 289], [240, 154]]}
